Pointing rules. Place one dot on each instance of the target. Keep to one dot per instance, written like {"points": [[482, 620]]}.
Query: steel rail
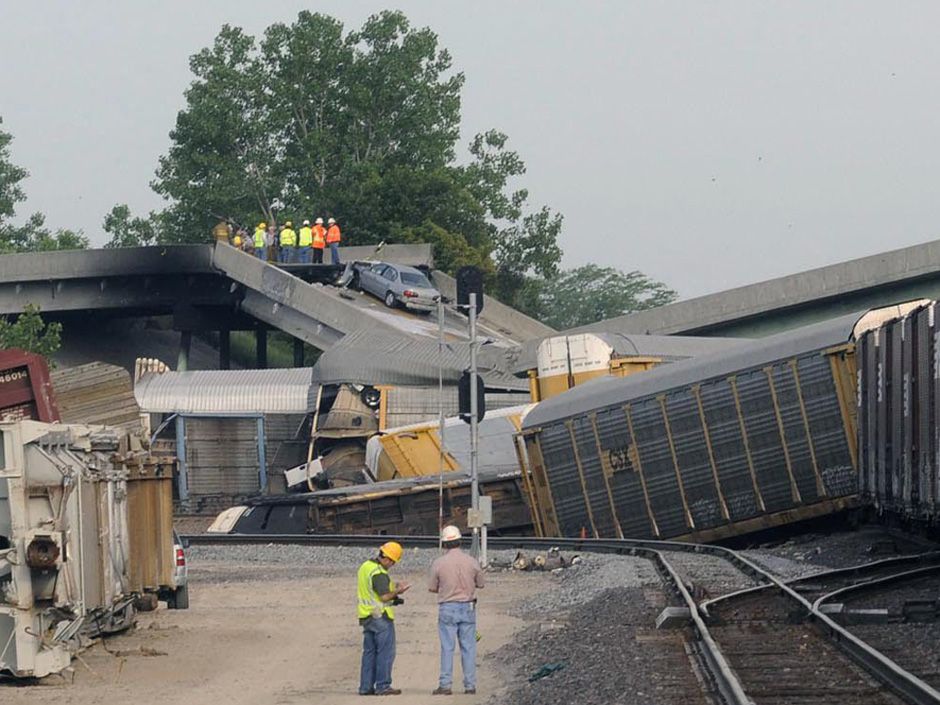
{"points": [[907, 685], [875, 583], [858, 569]]}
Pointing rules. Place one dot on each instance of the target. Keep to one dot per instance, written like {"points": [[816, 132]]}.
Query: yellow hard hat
{"points": [[261, 225], [392, 551], [288, 224]]}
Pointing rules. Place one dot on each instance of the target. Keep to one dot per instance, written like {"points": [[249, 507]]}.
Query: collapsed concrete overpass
{"points": [[218, 288]]}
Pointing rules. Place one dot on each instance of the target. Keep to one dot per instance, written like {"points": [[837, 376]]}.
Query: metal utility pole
{"points": [[440, 421], [474, 479]]}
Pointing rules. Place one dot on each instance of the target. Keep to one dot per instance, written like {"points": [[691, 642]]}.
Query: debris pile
{"points": [[551, 561]]}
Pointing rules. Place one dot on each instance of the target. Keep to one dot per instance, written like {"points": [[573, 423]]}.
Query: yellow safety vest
{"points": [[288, 238], [259, 238], [306, 237], [369, 603]]}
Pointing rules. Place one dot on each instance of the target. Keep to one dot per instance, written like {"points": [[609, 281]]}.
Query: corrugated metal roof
{"points": [[375, 357], [285, 391], [609, 391], [668, 347]]}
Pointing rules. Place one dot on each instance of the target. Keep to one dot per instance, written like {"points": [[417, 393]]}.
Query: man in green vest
{"points": [[304, 241], [260, 245], [288, 242], [377, 594]]}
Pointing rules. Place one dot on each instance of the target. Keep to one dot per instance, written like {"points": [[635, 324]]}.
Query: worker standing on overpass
{"points": [[271, 241], [377, 594], [455, 577], [319, 241], [332, 239], [261, 247], [288, 243], [304, 241]]}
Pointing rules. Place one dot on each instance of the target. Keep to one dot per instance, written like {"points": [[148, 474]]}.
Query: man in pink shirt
{"points": [[455, 577]]}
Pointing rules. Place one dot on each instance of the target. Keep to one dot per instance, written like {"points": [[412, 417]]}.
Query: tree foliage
{"points": [[128, 231], [33, 235], [311, 119], [29, 332], [591, 293]]}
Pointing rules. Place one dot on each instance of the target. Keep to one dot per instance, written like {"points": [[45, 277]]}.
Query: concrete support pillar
{"points": [[225, 350], [298, 352], [261, 348], [186, 343]]}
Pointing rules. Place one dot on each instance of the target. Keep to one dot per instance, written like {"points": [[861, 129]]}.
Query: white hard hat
{"points": [[319, 221], [450, 533], [331, 221], [306, 222]]}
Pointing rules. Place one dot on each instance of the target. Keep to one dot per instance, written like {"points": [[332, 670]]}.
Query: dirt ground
{"points": [[258, 635]]}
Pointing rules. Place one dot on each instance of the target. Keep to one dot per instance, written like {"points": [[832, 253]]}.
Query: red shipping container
{"points": [[25, 388]]}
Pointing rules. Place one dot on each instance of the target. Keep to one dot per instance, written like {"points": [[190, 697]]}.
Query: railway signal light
{"points": [[463, 398], [469, 281]]}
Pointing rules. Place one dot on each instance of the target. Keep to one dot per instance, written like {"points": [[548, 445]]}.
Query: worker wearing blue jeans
{"points": [[455, 577]]}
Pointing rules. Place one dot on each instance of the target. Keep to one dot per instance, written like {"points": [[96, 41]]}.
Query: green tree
{"points": [[362, 125], [591, 293], [29, 332], [128, 231], [33, 235]]}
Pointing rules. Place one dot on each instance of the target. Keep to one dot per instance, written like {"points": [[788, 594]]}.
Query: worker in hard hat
{"points": [[319, 241], [304, 243], [377, 594], [288, 243], [455, 577], [260, 242], [332, 239]]}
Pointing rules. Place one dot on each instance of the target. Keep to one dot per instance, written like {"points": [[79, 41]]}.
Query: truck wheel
{"points": [[180, 599]]}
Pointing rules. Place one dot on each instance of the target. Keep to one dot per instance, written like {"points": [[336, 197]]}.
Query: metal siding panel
{"points": [[658, 468], [833, 456], [279, 391], [924, 420], [764, 439], [594, 478], [906, 464], [692, 457], [801, 461], [896, 419], [935, 411], [728, 446], [222, 457], [564, 481], [882, 426], [625, 481]]}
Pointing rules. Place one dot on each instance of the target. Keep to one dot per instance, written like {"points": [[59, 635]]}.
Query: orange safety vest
{"points": [[332, 235], [319, 237]]}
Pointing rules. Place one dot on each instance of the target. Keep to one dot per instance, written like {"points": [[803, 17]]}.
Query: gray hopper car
{"points": [[898, 396], [703, 449]]}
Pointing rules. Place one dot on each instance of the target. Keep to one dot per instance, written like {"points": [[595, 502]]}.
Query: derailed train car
{"points": [[898, 430], [703, 449]]}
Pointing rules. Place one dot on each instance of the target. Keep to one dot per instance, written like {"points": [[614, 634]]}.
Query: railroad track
{"points": [[770, 643], [898, 615]]}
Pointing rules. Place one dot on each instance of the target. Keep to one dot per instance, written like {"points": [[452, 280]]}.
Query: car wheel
{"points": [[180, 599], [390, 299]]}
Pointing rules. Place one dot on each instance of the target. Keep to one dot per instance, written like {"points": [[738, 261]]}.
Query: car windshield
{"points": [[415, 279]]}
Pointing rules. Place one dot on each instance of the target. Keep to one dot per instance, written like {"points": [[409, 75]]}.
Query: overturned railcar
{"points": [[703, 449], [898, 430]]}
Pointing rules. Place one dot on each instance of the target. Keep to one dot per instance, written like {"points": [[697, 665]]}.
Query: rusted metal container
{"points": [[25, 387], [150, 523]]}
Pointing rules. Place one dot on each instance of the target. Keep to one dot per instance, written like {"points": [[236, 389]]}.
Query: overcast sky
{"points": [[707, 144]]}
